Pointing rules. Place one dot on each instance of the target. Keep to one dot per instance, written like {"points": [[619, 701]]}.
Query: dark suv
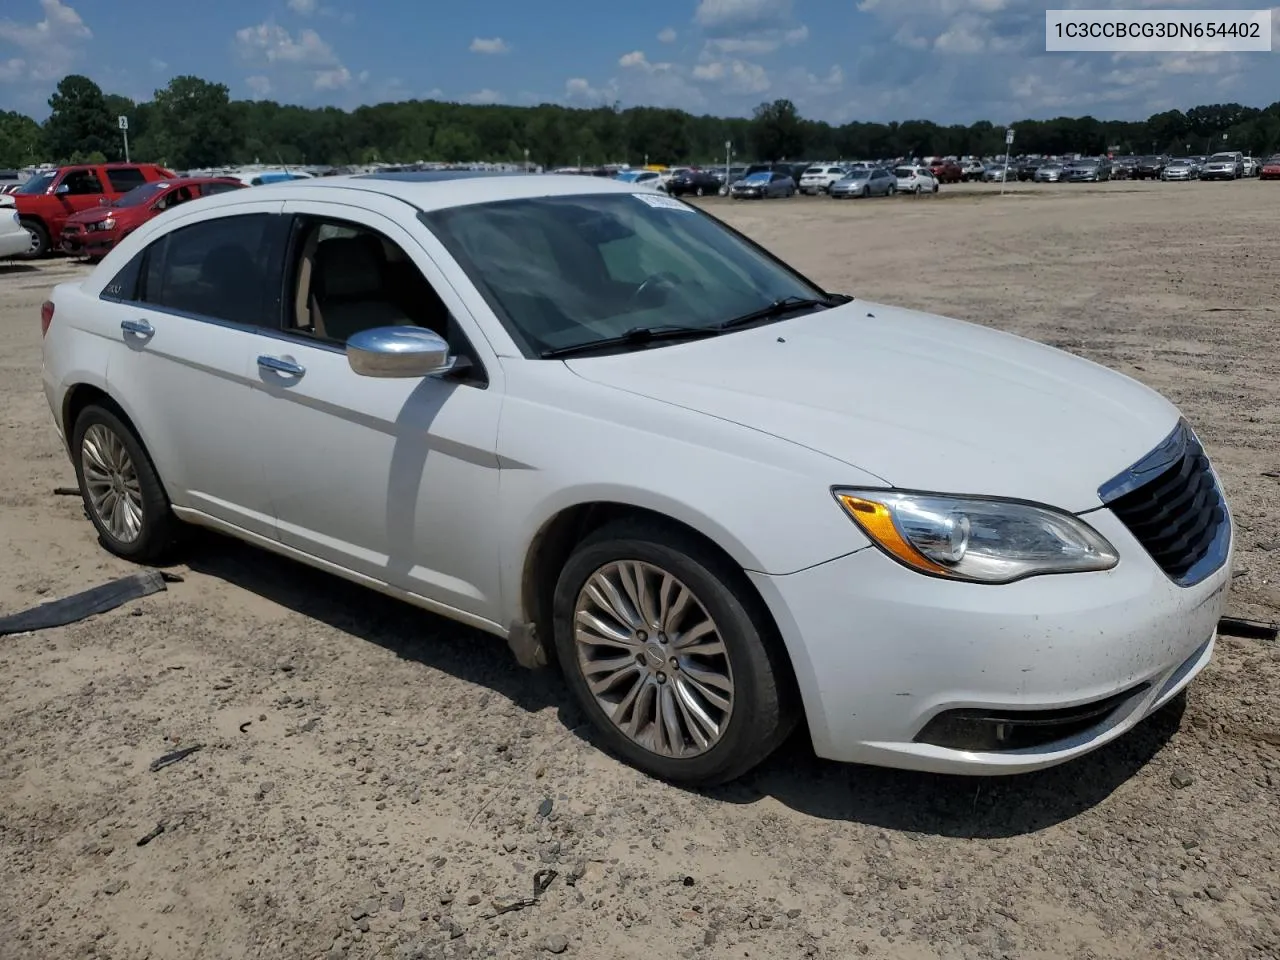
{"points": [[698, 182], [1150, 168]]}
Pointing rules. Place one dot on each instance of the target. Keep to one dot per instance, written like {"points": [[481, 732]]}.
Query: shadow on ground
{"points": [[13, 266], [933, 804]]}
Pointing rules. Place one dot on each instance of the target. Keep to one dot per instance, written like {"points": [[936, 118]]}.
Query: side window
{"points": [[124, 179], [227, 269], [345, 278], [123, 287], [80, 182]]}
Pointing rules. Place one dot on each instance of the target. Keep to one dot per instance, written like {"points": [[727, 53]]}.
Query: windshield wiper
{"points": [[636, 336], [779, 308]]}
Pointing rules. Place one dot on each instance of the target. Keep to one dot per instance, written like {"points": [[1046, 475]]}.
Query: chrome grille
{"points": [[1171, 503]]}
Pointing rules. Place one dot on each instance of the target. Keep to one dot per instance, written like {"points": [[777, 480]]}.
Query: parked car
{"points": [[1026, 169], [1180, 168], [972, 170], [818, 179], [1124, 168], [92, 233], [1223, 166], [697, 182], [913, 178], [1086, 171], [1270, 169], [14, 239], [1049, 172], [946, 171], [865, 182], [1150, 168], [48, 199], [440, 388], [996, 173], [11, 180], [1251, 166], [763, 185], [649, 179]]}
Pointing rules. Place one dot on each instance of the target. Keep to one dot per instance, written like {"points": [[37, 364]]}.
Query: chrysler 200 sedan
{"points": [[597, 422]]}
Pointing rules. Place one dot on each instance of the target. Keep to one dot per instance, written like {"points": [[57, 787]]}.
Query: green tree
{"points": [[21, 140], [777, 132], [79, 121], [193, 124]]}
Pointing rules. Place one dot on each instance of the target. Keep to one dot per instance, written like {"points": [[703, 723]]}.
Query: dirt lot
{"points": [[372, 777]]}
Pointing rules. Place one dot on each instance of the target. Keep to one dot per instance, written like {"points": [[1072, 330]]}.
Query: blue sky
{"points": [[953, 61]]}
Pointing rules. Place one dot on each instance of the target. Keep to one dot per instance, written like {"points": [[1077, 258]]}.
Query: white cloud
{"points": [[734, 76], [496, 45], [758, 43], [667, 35], [298, 63], [258, 85], [158, 65], [304, 7], [742, 13], [51, 46], [577, 90], [485, 96], [635, 58], [435, 93]]}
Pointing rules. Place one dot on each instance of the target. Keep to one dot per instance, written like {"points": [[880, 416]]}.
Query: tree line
{"points": [[193, 123]]}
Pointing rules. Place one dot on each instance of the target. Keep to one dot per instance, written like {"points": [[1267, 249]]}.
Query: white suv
{"points": [[818, 179]]}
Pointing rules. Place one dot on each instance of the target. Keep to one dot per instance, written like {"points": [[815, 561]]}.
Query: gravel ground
{"points": [[375, 782]]}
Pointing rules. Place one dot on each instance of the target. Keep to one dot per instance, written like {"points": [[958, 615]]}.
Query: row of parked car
{"points": [[87, 209]]}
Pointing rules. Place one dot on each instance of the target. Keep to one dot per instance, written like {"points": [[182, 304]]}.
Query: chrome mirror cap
{"points": [[399, 352]]}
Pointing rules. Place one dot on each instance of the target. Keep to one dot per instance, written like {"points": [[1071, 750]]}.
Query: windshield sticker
{"points": [[663, 203]]}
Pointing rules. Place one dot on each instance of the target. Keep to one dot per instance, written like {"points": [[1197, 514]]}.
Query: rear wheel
{"points": [[891, 191], [122, 494], [670, 655], [39, 234]]}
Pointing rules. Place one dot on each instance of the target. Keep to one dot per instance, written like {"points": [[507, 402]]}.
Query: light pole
{"points": [[526, 159], [728, 162]]}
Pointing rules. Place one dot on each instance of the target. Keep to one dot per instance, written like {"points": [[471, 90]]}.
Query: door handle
{"points": [[279, 365], [140, 327]]}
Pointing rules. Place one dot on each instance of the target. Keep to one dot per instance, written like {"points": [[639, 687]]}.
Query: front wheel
{"points": [[916, 189], [891, 191], [122, 494], [39, 239], [866, 192], [671, 655]]}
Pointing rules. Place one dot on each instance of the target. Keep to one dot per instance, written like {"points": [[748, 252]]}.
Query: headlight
{"points": [[982, 541], [107, 224]]}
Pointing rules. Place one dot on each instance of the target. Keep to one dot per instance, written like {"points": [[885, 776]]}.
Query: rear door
{"points": [[192, 308]]}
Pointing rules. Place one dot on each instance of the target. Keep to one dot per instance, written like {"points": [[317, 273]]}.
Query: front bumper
{"points": [[87, 243], [880, 651]]}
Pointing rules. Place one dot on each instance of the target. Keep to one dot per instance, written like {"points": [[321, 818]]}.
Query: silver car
{"points": [[1048, 173], [1181, 169], [867, 182]]}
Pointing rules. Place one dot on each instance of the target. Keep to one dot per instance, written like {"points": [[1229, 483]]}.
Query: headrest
{"points": [[349, 266]]}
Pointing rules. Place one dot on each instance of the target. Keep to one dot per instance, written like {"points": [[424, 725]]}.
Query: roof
{"points": [[436, 190]]}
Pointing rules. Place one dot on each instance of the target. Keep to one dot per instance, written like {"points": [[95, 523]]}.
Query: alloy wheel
{"points": [[653, 659], [111, 483]]}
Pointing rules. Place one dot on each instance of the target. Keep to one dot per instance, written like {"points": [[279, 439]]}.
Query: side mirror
{"points": [[61, 189], [399, 352]]}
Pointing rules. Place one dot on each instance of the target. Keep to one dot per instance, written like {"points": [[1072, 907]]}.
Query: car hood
{"points": [[94, 215], [923, 402]]}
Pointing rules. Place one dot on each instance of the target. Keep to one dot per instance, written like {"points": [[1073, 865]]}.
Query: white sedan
{"points": [[14, 238], [594, 421]]}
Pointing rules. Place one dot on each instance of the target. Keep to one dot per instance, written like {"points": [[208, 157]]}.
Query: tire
{"points": [[866, 192], [157, 527], [39, 239], [892, 191], [698, 192], [916, 189], [935, 188], [762, 702]]}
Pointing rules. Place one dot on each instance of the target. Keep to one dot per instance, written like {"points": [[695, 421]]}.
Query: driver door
{"points": [[394, 480]]}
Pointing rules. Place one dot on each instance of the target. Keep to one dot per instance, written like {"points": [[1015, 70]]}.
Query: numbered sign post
{"points": [[124, 132], [1008, 146]]}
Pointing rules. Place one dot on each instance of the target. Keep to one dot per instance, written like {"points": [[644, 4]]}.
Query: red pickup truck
{"points": [[46, 200]]}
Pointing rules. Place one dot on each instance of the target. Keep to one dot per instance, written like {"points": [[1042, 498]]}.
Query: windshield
{"points": [[37, 184], [563, 271], [1223, 158], [140, 194], [904, 172]]}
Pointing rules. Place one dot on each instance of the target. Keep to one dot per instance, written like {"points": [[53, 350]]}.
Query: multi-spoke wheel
{"points": [[122, 494], [671, 654], [653, 658]]}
